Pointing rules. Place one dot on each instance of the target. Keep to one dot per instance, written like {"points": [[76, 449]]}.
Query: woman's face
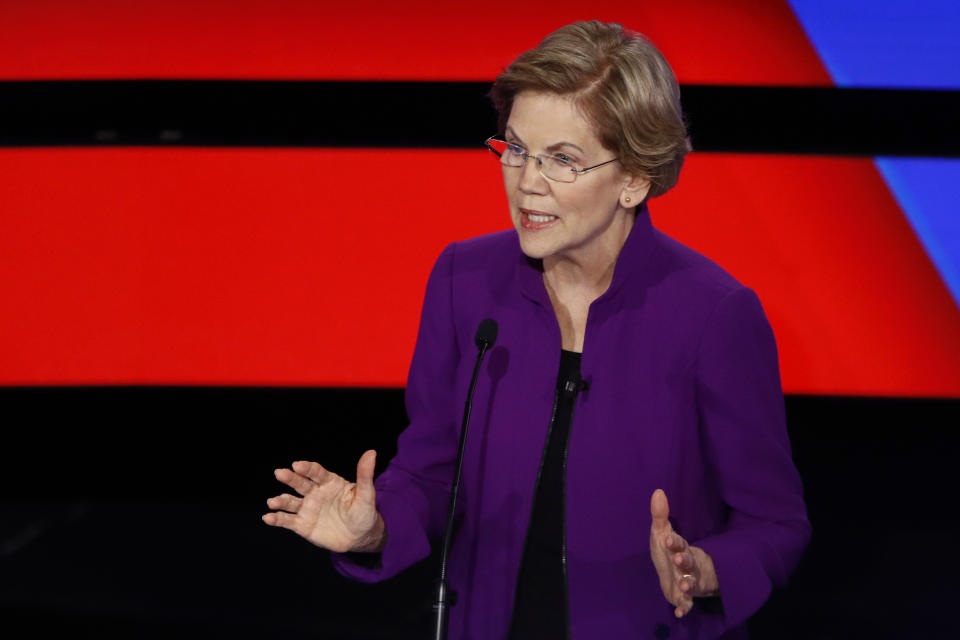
{"points": [[571, 220]]}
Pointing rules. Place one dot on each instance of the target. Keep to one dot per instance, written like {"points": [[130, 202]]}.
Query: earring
{"points": [[627, 199]]}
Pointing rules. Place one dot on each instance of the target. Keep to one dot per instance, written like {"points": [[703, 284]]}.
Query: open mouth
{"points": [[535, 220]]}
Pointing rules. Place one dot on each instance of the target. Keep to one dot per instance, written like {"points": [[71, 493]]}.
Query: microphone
{"points": [[486, 334], [485, 338]]}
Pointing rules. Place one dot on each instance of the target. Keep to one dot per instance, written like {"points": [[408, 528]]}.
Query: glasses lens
{"points": [[557, 169], [510, 154]]}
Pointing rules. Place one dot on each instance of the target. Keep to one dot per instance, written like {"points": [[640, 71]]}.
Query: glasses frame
{"points": [[539, 157]]}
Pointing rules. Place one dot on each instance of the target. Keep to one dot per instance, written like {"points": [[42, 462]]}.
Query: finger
{"points": [[684, 561], [312, 470], [365, 468], [684, 602], [688, 582], [285, 502], [675, 542], [282, 519], [660, 511], [294, 480]]}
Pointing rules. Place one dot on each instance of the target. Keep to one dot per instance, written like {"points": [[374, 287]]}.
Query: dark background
{"points": [[135, 512]]}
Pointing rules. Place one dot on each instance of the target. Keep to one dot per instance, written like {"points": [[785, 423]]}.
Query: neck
{"points": [[589, 269]]}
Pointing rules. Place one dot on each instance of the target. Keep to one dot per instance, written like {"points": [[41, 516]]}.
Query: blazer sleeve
{"points": [[412, 494], [743, 424]]}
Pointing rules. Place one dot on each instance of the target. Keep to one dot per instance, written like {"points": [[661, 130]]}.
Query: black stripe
{"points": [[84, 433], [451, 115], [866, 122]]}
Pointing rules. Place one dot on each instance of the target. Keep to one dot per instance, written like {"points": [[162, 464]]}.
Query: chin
{"points": [[534, 249]]}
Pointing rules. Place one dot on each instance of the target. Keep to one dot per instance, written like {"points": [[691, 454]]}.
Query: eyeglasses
{"points": [[558, 168]]}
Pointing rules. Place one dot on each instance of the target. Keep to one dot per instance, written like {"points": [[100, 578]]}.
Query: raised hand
{"points": [[332, 512], [685, 571]]}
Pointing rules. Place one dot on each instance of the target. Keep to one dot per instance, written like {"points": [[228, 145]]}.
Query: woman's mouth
{"points": [[535, 220]]}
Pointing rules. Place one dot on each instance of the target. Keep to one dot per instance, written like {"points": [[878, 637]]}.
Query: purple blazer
{"points": [[684, 395]]}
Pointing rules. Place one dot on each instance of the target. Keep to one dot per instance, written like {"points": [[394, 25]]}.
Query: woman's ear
{"points": [[634, 191]]}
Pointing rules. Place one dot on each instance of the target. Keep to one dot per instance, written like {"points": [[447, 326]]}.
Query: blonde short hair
{"points": [[621, 83]]}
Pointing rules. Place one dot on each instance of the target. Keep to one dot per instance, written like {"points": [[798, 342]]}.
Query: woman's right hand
{"points": [[333, 513]]}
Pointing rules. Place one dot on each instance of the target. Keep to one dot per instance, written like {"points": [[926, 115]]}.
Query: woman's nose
{"points": [[531, 180]]}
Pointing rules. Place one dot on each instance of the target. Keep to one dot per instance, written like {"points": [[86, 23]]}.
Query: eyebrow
{"points": [[555, 145]]}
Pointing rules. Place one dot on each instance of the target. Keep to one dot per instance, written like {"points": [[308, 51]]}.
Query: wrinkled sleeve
{"points": [[413, 492], [741, 407]]}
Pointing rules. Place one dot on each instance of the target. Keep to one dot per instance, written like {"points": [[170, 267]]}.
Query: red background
{"points": [[707, 42], [307, 266]]}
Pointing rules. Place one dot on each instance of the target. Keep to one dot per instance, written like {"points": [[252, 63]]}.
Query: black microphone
{"points": [[486, 334], [485, 338]]}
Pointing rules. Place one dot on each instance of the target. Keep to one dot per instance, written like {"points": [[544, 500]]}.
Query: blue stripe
{"points": [[910, 45], [927, 191], [885, 43]]}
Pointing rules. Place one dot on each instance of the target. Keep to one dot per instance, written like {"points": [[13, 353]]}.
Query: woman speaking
{"points": [[627, 469]]}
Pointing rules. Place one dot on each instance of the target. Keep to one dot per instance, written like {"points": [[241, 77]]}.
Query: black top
{"points": [[540, 607]]}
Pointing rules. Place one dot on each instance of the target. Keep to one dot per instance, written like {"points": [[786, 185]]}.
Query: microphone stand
{"points": [[446, 597]]}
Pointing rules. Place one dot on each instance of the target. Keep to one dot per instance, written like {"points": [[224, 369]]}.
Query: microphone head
{"points": [[486, 334]]}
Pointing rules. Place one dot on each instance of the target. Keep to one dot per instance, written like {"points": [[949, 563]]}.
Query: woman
{"points": [[668, 386]]}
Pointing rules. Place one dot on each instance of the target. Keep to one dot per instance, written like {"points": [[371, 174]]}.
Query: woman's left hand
{"points": [[686, 572]]}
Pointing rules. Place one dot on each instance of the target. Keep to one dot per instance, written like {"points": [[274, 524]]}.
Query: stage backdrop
{"points": [[141, 247]]}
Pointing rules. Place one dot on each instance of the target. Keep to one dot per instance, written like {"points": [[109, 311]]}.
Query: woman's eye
{"points": [[515, 149], [564, 158]]}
